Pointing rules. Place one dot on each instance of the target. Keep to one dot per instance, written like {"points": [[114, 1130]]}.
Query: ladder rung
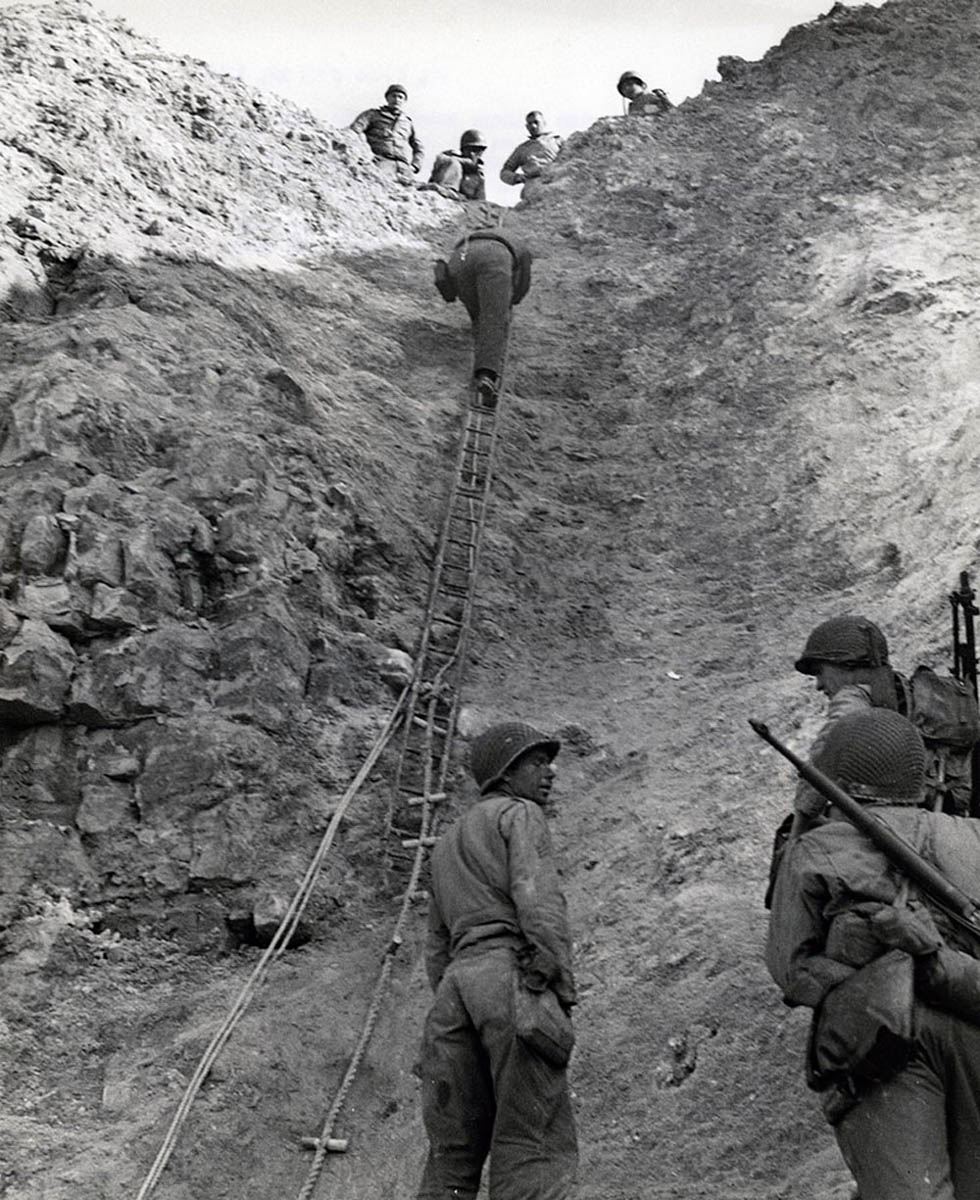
{"points": [[412, 843], [469, 493], [448, 621], [424, 724], [418, 801], [334, 1145], [418, 796]]}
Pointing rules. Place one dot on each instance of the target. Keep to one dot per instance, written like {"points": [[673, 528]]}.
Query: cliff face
{"points": [[743, 398]]}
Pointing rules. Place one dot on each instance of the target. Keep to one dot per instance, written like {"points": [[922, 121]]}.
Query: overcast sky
{"points": [[467, 63]]}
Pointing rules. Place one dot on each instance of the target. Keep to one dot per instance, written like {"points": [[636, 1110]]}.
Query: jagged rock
{"points": [[104, 807], [36, 668], [196, 766], [53, 602], [42, 545], [10, 622], [136, 677], [733, 69], [39, 775], [262, 665], [222, 847], [39, 857], [396, 668], [268, 912], [114, 608]]}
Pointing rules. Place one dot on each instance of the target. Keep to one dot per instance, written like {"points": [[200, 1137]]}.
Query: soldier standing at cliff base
{"points": [[489, 272], [497, 923], [848, 658], [894, 1048]]}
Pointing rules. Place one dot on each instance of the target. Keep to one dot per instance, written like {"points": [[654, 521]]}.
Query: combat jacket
{"points": [[494, 881], [833, 878], [650, 104], [460, 174], [390, 135], [530, 157]]}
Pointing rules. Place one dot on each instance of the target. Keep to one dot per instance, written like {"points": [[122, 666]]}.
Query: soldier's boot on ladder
{"points": [[486, 388]]}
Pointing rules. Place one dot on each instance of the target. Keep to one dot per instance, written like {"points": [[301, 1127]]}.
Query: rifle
{"points": [[961, 908], [965, 649]]}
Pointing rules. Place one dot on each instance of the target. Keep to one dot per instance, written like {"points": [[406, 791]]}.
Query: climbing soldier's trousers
{"points": [[483, 271], [917, 1136], [485, 1093]]}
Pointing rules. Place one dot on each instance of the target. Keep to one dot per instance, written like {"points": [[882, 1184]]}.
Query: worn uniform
{"points": [[530, 158], [459, 173], [650, 104], [915, 1136], [391, 136], [489, 273], [495, 894]]}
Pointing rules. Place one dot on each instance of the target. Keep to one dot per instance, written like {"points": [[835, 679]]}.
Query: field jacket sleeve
{"points": [[537, 896], [417, 148], [363, 120], [436, 945], [796, 945], [508, 172]]}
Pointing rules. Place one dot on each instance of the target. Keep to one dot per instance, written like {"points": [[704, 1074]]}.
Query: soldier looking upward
{"points": [[497, 920]]}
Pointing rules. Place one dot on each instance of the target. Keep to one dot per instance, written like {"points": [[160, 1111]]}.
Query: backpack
{"points": [[944, 710]]}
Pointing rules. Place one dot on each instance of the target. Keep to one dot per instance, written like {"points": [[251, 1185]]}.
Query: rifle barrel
{"points": [[895, 847]]}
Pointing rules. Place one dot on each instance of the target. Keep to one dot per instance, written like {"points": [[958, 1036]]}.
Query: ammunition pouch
{"points": [[542, 1024], [862, 1030]]}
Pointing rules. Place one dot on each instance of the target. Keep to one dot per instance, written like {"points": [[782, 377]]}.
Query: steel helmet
{"points": [[875, 755], [500, 746], [845, 642], [396, 87], [626, 77], [472, 138]]}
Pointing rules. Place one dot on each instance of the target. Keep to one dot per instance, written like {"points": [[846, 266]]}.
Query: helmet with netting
{"points": [[496, 750], [844, 642], [875, 755]]}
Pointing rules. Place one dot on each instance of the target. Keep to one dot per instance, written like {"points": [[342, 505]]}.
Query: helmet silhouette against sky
{"points": [[628, 77], [500, 746], [844, 642], [472, 139]]}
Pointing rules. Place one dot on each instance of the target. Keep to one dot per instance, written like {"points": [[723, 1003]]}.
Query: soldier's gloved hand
{"points": [[538, 968]]}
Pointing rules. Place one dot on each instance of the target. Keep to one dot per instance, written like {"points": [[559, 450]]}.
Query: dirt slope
{"points": [[743, 397]]}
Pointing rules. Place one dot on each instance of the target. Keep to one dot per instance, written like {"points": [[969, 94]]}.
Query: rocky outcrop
{"points": [[207, 553]]}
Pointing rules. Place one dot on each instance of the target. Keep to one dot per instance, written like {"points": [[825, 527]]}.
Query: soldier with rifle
{"points": [[848, 658], [873, 927]]}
